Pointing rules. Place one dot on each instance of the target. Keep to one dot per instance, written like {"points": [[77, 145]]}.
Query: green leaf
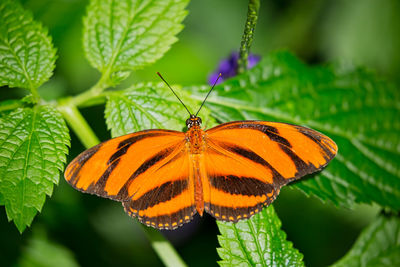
{"points": [[356, 109], [258, 241], [120, 36], [27, 55], [378, 245], [42, 252], [33, 148], [148, 106]]}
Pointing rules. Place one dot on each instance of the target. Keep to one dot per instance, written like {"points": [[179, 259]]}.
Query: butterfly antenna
{"points": [[219, 76], [162, 78]]}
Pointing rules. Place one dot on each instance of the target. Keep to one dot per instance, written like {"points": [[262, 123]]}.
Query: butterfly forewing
{"points": [[247, 163], [147, 171]]}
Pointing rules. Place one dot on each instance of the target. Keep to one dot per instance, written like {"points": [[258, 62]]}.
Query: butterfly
{"points": [[231, 171]]}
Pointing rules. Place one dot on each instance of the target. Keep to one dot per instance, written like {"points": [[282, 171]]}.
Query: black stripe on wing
{"points": [[302, 168], [268, 130], [123, 193], [278, 179], [235, 214], [318, 139], [124, 145], [164, 222], [98, 187], [75, 167], [159, 194], [144, 134], [238, 185]]}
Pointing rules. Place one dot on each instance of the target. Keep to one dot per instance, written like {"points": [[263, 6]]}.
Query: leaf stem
{"points": [[78, 123], [10, 105], [35, 95], [93, 93], [163, 248], [247, 37]]}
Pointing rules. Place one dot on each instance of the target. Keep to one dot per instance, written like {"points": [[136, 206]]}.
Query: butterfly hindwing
{"points": [[146, 171], [238, 187], [164, 197], [247, 163]]}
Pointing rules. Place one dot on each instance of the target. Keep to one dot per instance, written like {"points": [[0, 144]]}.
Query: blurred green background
{"points": [[97, 231]]}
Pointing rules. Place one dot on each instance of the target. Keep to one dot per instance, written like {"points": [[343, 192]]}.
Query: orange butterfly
{"points": [[231, 171]]}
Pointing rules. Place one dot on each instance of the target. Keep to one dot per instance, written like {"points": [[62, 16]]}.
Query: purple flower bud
{"points": [[228, 67]]}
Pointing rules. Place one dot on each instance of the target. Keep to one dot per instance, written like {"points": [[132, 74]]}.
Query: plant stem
{"points": [[163, 248], [247, 38], [78, 123], [91, 94], [35, 95], [10, 105]]}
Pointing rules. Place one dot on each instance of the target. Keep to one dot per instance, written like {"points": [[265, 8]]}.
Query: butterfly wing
{"points": [[247, 162], [147, 171]]}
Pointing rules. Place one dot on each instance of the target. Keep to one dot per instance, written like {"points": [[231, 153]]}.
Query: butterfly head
{"points": [[193, 121]]}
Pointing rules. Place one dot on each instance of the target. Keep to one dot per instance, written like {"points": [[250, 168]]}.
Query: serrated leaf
{"points": [[120, 36], [258, 241], [357, 110], [33, 148], [27, 55], [377, 245], [42, 252], [148, 106]]}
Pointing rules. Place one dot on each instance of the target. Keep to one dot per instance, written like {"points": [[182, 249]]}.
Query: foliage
{"points": [[32, 153], [353, 106], [28, 55], [147, 106], [124, 35], [42, 252], [378, 245], [32, 140], [258, 241], [143, 106]]}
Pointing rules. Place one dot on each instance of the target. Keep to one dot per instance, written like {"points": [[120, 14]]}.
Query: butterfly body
{"points": [[195, 138], [231, 171]]}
